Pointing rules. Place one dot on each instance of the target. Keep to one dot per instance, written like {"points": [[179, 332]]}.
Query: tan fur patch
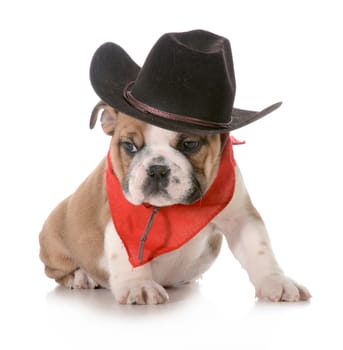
{"points": [[127, 129], [205, 162]]}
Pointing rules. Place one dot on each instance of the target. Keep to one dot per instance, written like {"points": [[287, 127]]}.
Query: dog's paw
{"points": [[80, 280], [278, 287], [142, 292]]}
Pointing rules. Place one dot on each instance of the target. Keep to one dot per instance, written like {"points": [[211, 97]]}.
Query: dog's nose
{"points": [[157, 179], [158, 171]]}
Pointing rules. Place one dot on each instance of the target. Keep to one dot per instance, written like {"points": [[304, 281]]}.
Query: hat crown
{"points": [[190, 74], [187, 84]]}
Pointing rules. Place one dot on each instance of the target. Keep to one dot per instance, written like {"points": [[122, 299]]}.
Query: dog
{"points": [[155, 210], [81, 248]]}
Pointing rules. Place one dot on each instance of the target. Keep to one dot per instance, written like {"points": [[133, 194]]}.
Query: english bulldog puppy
{"points": [[154, 211], [154, 169]]}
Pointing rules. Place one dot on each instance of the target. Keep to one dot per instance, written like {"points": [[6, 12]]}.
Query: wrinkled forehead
{"points": [[153, 136], [156, 136], [148, 134]]}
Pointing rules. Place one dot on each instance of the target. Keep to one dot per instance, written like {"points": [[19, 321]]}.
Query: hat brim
{"points": [[112, 69]]}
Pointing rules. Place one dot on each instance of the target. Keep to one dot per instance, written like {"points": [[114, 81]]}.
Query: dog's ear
{"points": [[108, 118]]}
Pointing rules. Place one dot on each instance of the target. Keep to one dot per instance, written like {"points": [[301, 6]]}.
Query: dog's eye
{"points": [[190, 146], [129, 147]]}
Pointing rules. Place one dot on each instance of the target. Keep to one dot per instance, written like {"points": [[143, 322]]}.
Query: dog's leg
{"points": [[57, 259], [248, 239], [129, 285]]}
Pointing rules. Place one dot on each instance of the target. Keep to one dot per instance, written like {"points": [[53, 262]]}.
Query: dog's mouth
{"points": [[194, 195], [162, 189], [160, 196]]}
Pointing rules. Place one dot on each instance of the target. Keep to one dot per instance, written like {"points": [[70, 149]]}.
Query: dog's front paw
{"points": [[278, 287], [142, 292]]}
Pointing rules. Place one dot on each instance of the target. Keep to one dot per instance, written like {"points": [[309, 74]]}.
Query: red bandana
{"points": [[148, 232]]}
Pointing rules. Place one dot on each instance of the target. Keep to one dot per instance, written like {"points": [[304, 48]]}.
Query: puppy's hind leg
{"points": [[58, 263], [81, 280], [59, 266], [53, 252]]}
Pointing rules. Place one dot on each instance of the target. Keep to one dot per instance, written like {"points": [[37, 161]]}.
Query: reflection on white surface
{"points": [[195, 316]]}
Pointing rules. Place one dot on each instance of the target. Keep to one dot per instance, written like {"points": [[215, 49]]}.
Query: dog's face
{"points": [[158, 166]]}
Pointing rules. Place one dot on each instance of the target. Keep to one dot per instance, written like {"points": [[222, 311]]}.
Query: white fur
{"points": [[239, 222], [155, 136], [158, 142], [129, 285], [249, 241], [180, 266]]}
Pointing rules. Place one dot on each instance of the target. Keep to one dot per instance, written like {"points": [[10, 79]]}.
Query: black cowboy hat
{"points": [[186, 84]]}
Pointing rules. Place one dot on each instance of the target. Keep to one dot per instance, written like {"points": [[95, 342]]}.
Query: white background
{"points": [[283, 50]]}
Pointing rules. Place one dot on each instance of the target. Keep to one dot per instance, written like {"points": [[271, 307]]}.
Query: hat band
{"points": [[141, 106]]}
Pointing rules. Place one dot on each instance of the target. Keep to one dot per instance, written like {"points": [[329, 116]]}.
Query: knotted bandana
{"points": [[147, 232]]}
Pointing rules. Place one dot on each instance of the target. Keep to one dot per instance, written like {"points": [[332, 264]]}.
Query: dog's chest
{"points": [[186, 263]]}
